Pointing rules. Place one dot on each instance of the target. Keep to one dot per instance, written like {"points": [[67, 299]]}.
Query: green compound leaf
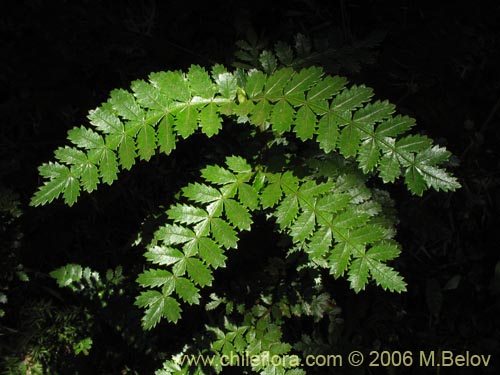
{"points": [[307, 102], [334, 228], [194, 243]]}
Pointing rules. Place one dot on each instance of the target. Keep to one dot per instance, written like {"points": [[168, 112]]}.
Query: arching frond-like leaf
{"points": [[307, 103]]}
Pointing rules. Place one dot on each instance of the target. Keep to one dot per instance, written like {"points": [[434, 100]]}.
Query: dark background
{"points": [[437, 61]]}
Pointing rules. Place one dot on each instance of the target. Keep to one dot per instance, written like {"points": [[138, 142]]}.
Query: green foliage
{"points": [[49, 336], [194, 243], [10, 239], [322, 49], [334, 226], [88, 282], [306, 103], [321, 202], [83, 346], [250, 336]]}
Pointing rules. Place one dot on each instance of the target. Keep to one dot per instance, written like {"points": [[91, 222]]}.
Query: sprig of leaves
{"points": [[338, 225], [194, 241], [345, 119], [133, 125], [257, 340]]}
